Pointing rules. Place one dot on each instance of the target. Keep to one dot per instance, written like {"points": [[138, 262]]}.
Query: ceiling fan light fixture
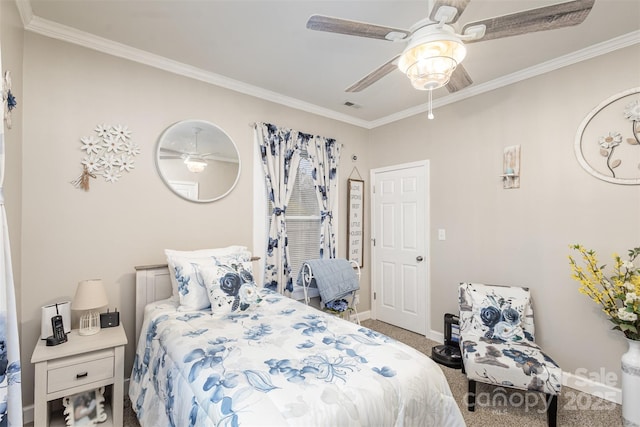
{"points": [[431, 73], [195, 165], [435, 48], [431, 57]]}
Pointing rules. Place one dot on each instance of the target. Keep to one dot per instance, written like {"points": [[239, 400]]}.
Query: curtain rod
{"points": [[255, 124]]}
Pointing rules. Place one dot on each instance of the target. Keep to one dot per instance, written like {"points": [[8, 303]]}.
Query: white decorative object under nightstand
{"points": [[81, 364]]}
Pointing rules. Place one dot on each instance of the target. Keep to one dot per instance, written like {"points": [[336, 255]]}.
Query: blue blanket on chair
{"points": [[334, 278]]}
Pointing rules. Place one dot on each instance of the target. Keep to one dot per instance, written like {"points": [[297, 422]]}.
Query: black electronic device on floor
{"points": [[449, 354]]}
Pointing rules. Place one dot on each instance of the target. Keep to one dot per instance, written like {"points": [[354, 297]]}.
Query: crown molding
{"points": [[620, 42], [68, 34], [54, 30]]}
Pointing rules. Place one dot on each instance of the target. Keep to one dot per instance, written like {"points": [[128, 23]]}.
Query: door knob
{"points": [[419, 258]]}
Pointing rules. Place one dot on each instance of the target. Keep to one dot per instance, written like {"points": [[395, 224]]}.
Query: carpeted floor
{"points": [[512, 407], [496, 406]]}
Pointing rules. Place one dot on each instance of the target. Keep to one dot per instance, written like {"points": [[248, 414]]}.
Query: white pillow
{"points": [[198, 254], [231, 288]]}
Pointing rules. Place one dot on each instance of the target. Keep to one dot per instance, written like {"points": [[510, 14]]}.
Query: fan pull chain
{"points": [[430, 115]]}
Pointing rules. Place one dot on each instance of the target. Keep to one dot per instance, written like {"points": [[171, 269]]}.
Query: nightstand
{"points": [[83, 363]]}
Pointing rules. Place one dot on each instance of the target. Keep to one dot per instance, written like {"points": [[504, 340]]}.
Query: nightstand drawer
{"points": [[77, 371]]}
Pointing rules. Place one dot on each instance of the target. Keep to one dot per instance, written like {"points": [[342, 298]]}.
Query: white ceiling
{"points": [[264, 49]]}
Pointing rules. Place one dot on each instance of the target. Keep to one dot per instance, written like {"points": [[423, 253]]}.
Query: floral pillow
{"points": [[192, 274], [240, 252], [498, 312], [231, 289]]}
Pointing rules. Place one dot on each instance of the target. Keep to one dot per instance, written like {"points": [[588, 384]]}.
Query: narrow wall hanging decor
{"points": [[511, 167], [109, 155], [8, 100], [355, 218], [607, 144]]}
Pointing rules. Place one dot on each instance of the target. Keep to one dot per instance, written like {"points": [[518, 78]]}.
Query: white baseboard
{"points": [[436, 336], [364, 315], [27, 411], [576, 382], [27, 414], [594, 388]]}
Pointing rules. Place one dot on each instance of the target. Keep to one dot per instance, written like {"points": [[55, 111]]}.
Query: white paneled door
{"points": [[399, 245]]}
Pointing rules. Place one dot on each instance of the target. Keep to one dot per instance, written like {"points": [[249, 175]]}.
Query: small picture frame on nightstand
{"points": [[85, 409]]}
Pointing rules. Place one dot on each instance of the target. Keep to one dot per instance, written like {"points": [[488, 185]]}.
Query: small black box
{"points": [[109, 320]]}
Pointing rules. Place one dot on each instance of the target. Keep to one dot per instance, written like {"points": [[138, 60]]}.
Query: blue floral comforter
{"points": [[280, 363]]}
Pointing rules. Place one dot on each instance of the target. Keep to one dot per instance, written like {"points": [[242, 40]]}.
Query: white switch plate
{"points": [[442, 234]]}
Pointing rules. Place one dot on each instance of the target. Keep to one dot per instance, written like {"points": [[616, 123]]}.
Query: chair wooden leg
{"points": [[471, 396], [552, 410]]}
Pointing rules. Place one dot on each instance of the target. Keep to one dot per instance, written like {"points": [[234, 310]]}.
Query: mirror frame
{"points": [[194, 123]]}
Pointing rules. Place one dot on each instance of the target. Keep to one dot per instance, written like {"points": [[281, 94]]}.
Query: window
{"points": [[303, 218]]}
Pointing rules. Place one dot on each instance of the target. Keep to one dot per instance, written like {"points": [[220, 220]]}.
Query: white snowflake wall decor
{"points": [[109, 155]]}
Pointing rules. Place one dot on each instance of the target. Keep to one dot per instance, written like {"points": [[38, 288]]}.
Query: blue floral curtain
{"points": [[280, 153], [324, 154], [10, 386]]}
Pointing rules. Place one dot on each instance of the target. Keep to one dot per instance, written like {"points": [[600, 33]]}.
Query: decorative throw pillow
{"points": [[240, 252], [231, 288], [192, 275], [498, 312]]}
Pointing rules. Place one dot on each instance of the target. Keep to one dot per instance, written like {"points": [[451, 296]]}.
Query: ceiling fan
{"points": [[196, 162], [434, 47]]}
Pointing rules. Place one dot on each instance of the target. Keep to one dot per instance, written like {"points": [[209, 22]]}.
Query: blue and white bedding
{"points": [[280, 363]]}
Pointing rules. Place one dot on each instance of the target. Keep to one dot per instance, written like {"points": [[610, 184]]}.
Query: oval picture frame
{"points": [[603, 143]]}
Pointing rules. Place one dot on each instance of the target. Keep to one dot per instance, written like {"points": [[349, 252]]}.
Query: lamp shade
{"points": [[89, 295]]}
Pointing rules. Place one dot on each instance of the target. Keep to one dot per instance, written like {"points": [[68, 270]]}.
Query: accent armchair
{"points": [[498, 346]]}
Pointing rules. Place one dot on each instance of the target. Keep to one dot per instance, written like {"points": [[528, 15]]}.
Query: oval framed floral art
{"points": [[607, 143]]}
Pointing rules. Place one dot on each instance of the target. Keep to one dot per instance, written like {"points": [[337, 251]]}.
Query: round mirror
{"points": [[198, 161]]}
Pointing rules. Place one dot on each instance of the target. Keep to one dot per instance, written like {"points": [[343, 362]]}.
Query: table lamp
{"points": [[90, 296]]}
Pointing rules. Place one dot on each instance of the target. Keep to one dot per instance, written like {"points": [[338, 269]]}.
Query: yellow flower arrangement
{"points": [[619, 294]]}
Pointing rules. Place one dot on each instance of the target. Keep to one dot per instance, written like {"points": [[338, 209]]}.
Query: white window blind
{"points": [[303, 218]]}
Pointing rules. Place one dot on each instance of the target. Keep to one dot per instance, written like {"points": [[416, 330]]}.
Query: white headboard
{"points": [[152, 284]]}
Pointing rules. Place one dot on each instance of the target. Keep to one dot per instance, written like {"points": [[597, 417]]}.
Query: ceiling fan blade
{"points": [[460, 5], [374, 76], [541, 19], [355, 28], [169, 150], [459, 79], [170, 157]]}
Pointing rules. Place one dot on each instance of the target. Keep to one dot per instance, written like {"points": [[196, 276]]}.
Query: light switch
{"points": [[442, 234]]}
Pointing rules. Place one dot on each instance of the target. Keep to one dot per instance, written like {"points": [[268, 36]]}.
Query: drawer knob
{"points": [[81, 375]]}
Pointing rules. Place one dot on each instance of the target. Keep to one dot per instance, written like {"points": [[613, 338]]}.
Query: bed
{"points": [[278, 362]]}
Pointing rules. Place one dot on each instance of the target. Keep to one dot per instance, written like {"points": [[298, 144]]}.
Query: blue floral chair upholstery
{"points": [[498, 345]]}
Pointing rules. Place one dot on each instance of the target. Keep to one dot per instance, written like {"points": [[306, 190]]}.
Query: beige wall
{"points": [[11, 34], [69, 235], [61, 235], [521, 236]]}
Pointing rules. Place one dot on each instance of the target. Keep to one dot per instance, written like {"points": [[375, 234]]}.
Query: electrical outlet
{"points": [[442, 234]]}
